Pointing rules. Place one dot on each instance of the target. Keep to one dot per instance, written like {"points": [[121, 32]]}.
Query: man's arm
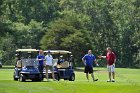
{"points": [[40, 59], [83, 61], [96, 62], [114, 58], [102, 56], [37, 58]]}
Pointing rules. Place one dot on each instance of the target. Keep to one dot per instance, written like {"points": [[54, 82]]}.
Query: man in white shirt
{"points": [[49, 65]]}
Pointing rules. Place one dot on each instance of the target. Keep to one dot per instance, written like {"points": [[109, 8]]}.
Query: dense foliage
{"points": [[75, 25]]}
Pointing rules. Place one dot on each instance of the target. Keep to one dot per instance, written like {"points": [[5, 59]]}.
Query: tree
{"points": [[26, 10], [6, 49], [75, 25], [28, 36], [62, 35]]}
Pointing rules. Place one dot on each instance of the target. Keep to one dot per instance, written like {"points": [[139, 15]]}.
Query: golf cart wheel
{"points": [[22, 78], [65, 79], [72, 77], [34, 80], [16, 79], [57, 77]]}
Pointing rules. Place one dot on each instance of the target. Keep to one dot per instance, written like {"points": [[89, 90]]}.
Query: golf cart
{"points": [[62, 65], [26, 65]]}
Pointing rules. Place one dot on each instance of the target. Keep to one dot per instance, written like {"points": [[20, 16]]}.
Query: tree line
{"points": [[74, 25]]}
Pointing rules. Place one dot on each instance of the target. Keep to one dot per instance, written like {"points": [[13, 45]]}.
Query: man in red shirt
{"points": [[111, 59]]}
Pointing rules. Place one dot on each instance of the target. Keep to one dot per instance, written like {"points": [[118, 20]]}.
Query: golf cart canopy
{"points": [[26, 53], [27, 50], [58, 52]]}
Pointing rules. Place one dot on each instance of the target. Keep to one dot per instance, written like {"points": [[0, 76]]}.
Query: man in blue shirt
{"points": [[41, 59], [88, 60]]}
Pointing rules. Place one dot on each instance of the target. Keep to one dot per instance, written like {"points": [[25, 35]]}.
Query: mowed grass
{"points": [[127, 81]]}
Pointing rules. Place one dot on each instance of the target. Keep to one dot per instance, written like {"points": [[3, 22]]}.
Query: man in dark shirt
{"points": [[41, 59]]}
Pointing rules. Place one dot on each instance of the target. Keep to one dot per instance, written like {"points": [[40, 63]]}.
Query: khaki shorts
{"points": [[47, 67], [111, 68]]}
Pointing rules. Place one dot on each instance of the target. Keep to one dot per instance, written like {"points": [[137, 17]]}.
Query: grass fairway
{"points": [[127, 81]]}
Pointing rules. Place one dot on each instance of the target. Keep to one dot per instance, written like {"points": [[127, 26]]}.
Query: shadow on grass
{"points": [[82, 70], [37, 81], [7, 67]]}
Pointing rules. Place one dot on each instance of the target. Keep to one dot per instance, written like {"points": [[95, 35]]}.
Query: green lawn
{"points": [[127, 81]]}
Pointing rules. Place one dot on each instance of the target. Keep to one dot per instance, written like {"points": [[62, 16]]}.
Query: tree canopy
{"points": [[75, 25]]}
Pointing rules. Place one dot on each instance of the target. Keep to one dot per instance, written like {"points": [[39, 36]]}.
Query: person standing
{"points": [[40, 59], [88, 60], [49, 65], [111, 59]]}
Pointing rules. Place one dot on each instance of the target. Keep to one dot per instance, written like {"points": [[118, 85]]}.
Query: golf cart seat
{"points": [[65, 64], [19, 64]]}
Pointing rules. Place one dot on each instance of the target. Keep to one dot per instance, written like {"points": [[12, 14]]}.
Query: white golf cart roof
{"points": [[58, 52], [26, 50]]}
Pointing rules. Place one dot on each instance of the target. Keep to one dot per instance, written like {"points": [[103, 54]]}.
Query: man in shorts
{"points": [[88, 60], [49, 65], [111, 59]]}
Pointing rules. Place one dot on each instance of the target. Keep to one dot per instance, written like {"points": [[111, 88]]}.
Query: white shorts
{"points": [[111, 68]]}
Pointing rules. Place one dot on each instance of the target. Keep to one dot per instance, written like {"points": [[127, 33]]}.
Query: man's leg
{"points": [[92, 75], [113, 73], [53, 73], [47, 67], [86, 71], [39, 68], [87, 76], [109, 73], [41, 71]]}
